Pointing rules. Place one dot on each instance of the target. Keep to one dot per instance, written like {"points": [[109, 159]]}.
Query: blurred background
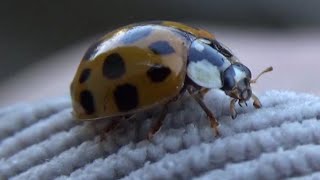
{"points": [[42, 42]]}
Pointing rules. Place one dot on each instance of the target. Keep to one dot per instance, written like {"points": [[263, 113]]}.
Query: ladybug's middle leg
{"points": [[203, 92], [198, 96]]}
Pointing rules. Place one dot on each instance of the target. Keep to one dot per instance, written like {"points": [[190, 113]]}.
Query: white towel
{"points": [[280, 140]]}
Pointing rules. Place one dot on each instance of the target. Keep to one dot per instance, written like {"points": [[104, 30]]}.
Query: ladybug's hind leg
{"points": [[198, 96], [115, 123], [158, 124]]}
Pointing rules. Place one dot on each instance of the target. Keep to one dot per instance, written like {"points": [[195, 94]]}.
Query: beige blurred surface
{"points": [[295, 56]]}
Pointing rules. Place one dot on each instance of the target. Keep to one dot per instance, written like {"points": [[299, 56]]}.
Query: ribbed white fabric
{"points": [[281, 140]]}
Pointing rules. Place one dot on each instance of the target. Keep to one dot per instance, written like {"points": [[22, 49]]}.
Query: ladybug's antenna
{"points": [[264, 71]]}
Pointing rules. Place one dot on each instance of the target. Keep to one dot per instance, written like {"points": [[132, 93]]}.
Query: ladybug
{"points": [[143, 65]]}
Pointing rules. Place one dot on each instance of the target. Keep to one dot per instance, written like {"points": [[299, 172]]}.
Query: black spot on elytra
{"points": [[161, 47], [92, 50], [158, 73], [84, 75], [126, 97], [113, 66], [87, 101], [136, 34]]}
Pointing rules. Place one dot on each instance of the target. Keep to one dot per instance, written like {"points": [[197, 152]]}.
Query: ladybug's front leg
{"points": [[233, 109], [256, 102], [198, 97]]}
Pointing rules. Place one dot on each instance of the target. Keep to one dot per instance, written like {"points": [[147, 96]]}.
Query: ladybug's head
{"points": [[212, 65], [237, 80]]}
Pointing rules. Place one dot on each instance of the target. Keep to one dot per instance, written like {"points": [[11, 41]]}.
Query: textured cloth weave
{"points": [[280, 140]]}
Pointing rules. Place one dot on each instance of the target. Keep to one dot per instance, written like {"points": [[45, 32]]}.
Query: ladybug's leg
{"points": [[158, 124], [203, 91], [111, 126], [198, 97], [256, 101], [233, 109], [115, 123]]}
